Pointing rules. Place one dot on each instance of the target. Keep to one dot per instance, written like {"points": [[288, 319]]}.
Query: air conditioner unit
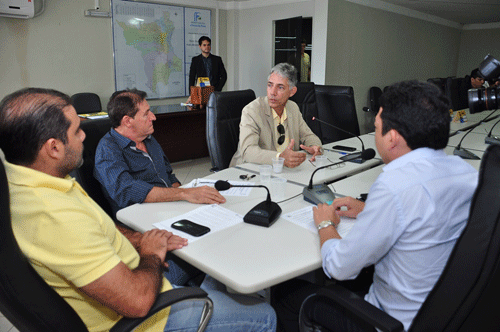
{"points": [[17, 8]]}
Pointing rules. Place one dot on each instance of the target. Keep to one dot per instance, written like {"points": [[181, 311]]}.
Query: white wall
{"points": [[353, 44], [475, 45], [255, 39], [61, 49]]}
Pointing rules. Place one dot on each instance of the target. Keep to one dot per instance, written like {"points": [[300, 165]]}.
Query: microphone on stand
{"points": [[263, 214], [464, 153], [492, 139], [320, 193], [356, 156]]}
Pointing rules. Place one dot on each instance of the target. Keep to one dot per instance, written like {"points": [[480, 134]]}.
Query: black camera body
{"points": [[486, 99]]}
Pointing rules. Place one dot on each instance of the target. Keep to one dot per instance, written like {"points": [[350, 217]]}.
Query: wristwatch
{"points": [[325, 223]]}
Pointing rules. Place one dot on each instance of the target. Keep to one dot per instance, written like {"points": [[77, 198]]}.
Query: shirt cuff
{"points": [[326, 249]]}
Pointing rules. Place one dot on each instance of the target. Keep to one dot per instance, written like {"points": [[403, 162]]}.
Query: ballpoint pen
{"points": [[342, 153]]}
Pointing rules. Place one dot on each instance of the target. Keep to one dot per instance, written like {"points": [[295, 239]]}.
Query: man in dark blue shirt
{"points": [[130, 163]]}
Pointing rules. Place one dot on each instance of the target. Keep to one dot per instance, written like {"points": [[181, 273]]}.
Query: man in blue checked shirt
{"points": [[130, 163], [132, 168]]}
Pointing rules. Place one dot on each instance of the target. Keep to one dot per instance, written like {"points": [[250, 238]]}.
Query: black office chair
{"points": [[305, 97], [440, 82], [223, 125], [463, 296], [86, 102], [30, 304], [94, 131], [374, 94], [456, 91], [336, 106]]}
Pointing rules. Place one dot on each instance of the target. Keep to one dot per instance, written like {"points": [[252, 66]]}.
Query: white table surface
{"points": [[302, 173], [484, 128], [473, 141], [472, 120], [248, 258], [244, 257], [360, 183]]}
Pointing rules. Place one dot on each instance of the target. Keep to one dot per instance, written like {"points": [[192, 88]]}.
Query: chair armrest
{"points": [[163, 301], [348, 303]]}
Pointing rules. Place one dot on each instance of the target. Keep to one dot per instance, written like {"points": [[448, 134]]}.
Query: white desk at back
{"points": [[485, 128], [472, 120], [244, 257], [473, 141], [301, 174]]}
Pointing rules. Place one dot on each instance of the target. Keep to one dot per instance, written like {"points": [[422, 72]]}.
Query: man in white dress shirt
{"points": [[415, 211]]}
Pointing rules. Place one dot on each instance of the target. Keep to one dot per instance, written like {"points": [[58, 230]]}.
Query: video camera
{"points": [[486, 98]]}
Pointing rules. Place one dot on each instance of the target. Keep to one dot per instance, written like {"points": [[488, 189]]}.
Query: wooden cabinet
{"points": [[181, 132]]}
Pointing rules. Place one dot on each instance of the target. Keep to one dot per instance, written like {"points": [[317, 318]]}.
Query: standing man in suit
{"points": [[207, 65]]}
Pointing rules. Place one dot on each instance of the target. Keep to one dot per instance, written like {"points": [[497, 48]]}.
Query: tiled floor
{"points": [[5, 325], [185, 172], [188, 170]]}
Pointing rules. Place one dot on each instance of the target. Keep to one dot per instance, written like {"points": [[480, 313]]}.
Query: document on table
{"points": [[213, 216], [304, 218], [234, 191]]}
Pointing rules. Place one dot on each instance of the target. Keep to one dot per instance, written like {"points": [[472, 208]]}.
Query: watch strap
{"points": [[325, 223]]}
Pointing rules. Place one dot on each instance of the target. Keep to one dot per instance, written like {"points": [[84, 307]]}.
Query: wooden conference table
{"points": [[244, 257]]}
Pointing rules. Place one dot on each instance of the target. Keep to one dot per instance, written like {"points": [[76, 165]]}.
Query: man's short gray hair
{"points": [[285, 70]]}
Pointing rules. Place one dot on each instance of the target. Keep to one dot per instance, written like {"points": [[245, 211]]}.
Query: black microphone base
{"points": [[465, 154], [492, 140], [318, 194], [263, 214]]}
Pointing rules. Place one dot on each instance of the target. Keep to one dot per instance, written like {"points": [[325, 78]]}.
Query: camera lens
{"points": [[483, 99]]}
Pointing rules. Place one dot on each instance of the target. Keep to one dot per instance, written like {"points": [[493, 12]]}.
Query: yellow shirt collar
{"points": [[25, 176]]}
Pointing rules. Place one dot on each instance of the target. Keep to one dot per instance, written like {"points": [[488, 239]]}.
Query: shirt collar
{"points": [[417, 154], [28, 177], [276, 116], [123, 141]]}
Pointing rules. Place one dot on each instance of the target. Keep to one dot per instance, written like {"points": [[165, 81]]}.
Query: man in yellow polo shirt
{"points": [[75, 246]]}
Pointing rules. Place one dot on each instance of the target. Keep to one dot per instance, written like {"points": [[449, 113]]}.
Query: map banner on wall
{"points": [[150, 47]]}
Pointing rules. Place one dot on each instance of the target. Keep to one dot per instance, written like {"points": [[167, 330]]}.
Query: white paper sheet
{"points": [[213, 216], [234, 191], [304, 218]]}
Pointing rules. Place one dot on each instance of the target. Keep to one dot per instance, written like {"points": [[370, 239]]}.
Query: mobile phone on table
{"points": [[343, 148], [190, 227]]}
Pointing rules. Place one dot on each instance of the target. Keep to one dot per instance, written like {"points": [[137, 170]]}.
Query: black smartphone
{"points": [[190, 227], [343, 148]]}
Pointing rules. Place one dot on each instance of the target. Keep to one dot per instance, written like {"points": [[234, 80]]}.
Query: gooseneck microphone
{"points": [[492, 139], [356, 156], [320, 193], [464, 153], [263, 214]]}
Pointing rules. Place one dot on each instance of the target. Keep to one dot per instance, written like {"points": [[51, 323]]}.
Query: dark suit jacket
{"points": [[197, 69]]}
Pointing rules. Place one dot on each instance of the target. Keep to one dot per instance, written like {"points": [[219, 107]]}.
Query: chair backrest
{"points": [[86, 102], [223, 124], [456, 91], [464, 296], [440, 82], [374, 94], [94, 131], [26, 300], [336, 106], [305, 97]]}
